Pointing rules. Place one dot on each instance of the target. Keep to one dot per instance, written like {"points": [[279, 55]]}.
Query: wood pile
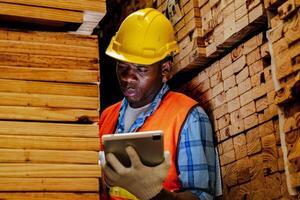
{"points": [[49, 101], [207, 29], [85, 13], [284, 39], [238, 93]]}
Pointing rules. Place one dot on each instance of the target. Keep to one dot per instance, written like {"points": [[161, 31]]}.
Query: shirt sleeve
{"points": [[196, 155]]}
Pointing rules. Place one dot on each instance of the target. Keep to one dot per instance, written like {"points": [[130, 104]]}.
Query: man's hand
{"points": [[142, 181]]}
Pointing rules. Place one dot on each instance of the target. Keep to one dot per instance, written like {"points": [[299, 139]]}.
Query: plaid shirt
{"points": [[196, 155]]}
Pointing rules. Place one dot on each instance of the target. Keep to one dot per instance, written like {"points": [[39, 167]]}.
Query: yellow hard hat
{"points": [[145, 37]]}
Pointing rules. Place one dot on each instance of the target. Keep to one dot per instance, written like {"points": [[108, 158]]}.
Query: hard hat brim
{"points": [[137, 59]]}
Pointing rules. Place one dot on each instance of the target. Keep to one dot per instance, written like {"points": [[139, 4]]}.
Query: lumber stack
{"points": [[237, 91], [207, 29], [86, 14], [49, 101], [284, 38]]}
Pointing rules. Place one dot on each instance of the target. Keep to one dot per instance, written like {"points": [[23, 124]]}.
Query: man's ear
{"points": [[166, 71]]}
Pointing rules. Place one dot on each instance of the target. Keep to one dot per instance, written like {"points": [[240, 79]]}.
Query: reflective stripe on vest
{"points": [[117, 193], [173, 109]]}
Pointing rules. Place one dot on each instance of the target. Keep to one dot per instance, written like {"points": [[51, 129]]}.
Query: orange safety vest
{"points": [[169, 117]]}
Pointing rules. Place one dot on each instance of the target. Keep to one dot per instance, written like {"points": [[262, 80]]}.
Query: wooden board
{"points": [[41, 13], [48, 129], [80, 5], [46, 61], [37, 87], [52, 101], [48, 196], [28, 170], [36, 48], [50, 184], [47, 114], [49, 37], [48, 156], [50, 143], [42, 74]]}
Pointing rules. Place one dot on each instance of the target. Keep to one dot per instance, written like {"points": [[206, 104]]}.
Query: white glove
{"points": [[142, 181]]}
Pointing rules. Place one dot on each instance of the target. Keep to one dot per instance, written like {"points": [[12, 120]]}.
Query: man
{"points": [[143, 47]]}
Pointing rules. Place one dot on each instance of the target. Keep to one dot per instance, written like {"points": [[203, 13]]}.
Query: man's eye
{"points": [[142, 69], [121, 66]]}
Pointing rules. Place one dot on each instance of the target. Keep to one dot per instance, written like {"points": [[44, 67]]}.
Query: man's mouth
{"points": [[129, 92]]}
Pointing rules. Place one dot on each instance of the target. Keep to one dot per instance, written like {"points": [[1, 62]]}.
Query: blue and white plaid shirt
{"points": [[196, 155]]}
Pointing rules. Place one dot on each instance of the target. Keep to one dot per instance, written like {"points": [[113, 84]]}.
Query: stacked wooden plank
{"points": [[206, 29], [85, 13], [225, 22], [238, 92], [49, 103], [186, 20], [284, 38]]}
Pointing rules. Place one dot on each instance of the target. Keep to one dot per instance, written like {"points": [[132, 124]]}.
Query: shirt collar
{"points": [[143, 116]]}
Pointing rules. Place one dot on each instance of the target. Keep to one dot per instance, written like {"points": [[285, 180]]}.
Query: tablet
{"points": [[149, 146]]}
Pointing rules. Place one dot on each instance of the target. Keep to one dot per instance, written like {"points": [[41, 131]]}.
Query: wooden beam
{"points": [[49, 37], [36, 48], [48, 129], [48, 156], [50, 184], [43, 74], [48, 196], [20, 170], [48, 143], [41, 13], [47, 114], [36, 87], [48, 61], [79, 5], [52, 101]]}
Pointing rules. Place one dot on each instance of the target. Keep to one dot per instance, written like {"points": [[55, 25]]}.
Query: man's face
{"points": [[139, 83]]}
